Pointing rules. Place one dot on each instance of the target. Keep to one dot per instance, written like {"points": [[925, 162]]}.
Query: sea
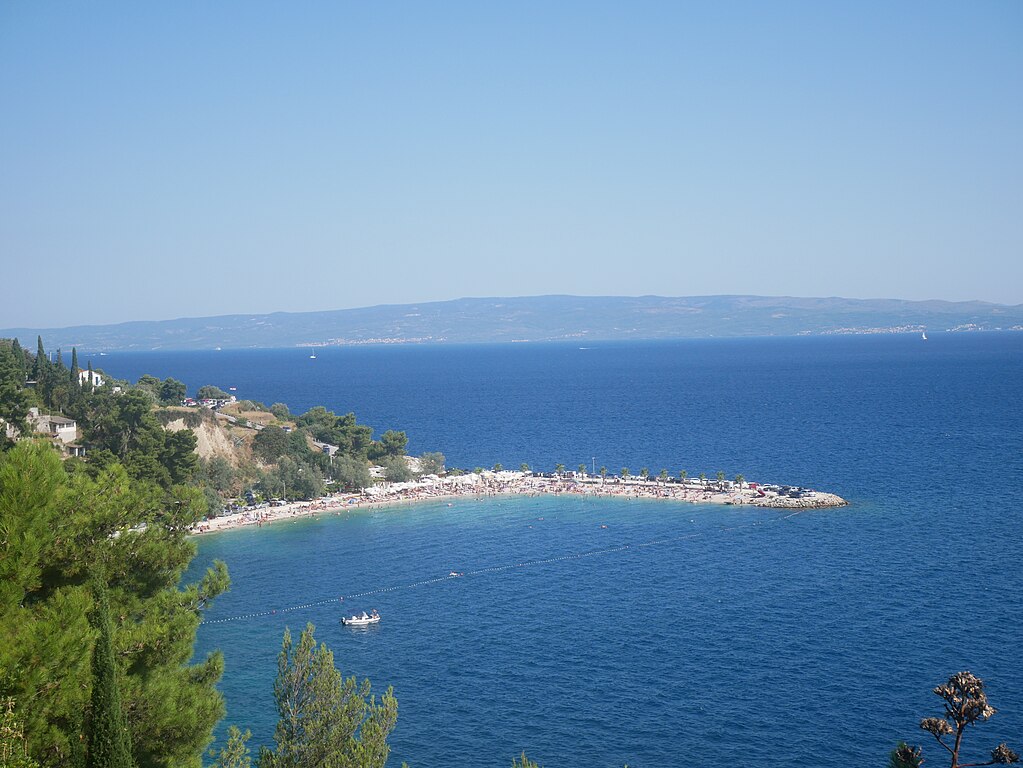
{"points": [[603, 632]]}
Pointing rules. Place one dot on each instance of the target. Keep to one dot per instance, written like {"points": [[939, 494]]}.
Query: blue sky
{"points": [[164, 160]]}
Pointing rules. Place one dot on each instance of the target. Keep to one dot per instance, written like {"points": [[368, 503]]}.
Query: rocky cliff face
{"points": [[213, 439]]}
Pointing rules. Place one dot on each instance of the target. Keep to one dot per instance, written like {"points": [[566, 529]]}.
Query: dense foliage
{"points": [[64, 531], [352, 438], [325, 719], [96, 669], [127, 424], [209, 391], [14, 399], [109, 745], [13, 750]]}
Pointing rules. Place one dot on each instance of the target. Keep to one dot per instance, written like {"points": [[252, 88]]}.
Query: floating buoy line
{"points": [[490, 570]]}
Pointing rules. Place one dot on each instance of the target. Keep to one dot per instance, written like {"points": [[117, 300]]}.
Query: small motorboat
{"points": [[361, 620]]}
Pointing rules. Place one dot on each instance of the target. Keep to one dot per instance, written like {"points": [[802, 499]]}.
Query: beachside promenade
{"points": [[433, 488]]}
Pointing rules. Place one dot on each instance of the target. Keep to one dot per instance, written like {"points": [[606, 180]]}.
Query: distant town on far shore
{"points": [[538, 318]]}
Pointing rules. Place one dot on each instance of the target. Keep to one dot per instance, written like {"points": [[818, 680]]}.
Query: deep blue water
{"points": [[738, 635]]}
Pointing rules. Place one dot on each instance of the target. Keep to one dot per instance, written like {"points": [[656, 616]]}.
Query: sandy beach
{"points": [[434, 488]]}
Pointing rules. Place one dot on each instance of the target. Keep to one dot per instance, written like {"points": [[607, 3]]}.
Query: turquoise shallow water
{"points": [[738, 635]]}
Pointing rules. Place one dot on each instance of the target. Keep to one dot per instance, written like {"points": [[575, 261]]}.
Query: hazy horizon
{"points": [[462, 298]]}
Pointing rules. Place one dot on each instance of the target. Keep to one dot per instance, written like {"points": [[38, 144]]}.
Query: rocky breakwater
{"points": [[807, 500]]}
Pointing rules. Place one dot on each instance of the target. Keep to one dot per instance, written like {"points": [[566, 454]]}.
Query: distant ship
{"points": [[923, 335], [312, 357]]}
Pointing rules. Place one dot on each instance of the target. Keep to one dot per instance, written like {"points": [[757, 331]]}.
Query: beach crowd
{"points": [[478, 485]]}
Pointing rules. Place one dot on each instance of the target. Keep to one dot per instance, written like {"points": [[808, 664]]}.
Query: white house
{"points": [[90, 377], [58, 427], [65, 430]]}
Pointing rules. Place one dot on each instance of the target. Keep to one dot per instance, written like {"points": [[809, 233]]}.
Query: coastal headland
{"points": [[476, 485]]}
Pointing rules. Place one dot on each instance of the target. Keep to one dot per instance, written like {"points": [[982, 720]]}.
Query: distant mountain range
{"points": [[537, 318]]}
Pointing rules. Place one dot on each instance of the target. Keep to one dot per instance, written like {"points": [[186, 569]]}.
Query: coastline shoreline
{"points": [[490, 484]]}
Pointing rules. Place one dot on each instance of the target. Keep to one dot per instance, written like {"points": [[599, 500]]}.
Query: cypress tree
{"points": [[107, 734], [20, 357], [14, 405], [39, 368], [75, 370]]}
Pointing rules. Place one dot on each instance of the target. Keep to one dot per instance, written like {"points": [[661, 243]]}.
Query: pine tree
{"points": [[235, 754], [107, 735], [60, 529], [13, 753], [326, 720], [43, 652]]}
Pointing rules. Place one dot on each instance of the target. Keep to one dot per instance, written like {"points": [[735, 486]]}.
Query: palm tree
{"points": [[559, 469], [582, 470], [644, 473], [663, 477], [498, 467], [739, 480], [703, 478], [603, 474], [625, 473], [524, 468], [682, 475], [721, 480]]}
